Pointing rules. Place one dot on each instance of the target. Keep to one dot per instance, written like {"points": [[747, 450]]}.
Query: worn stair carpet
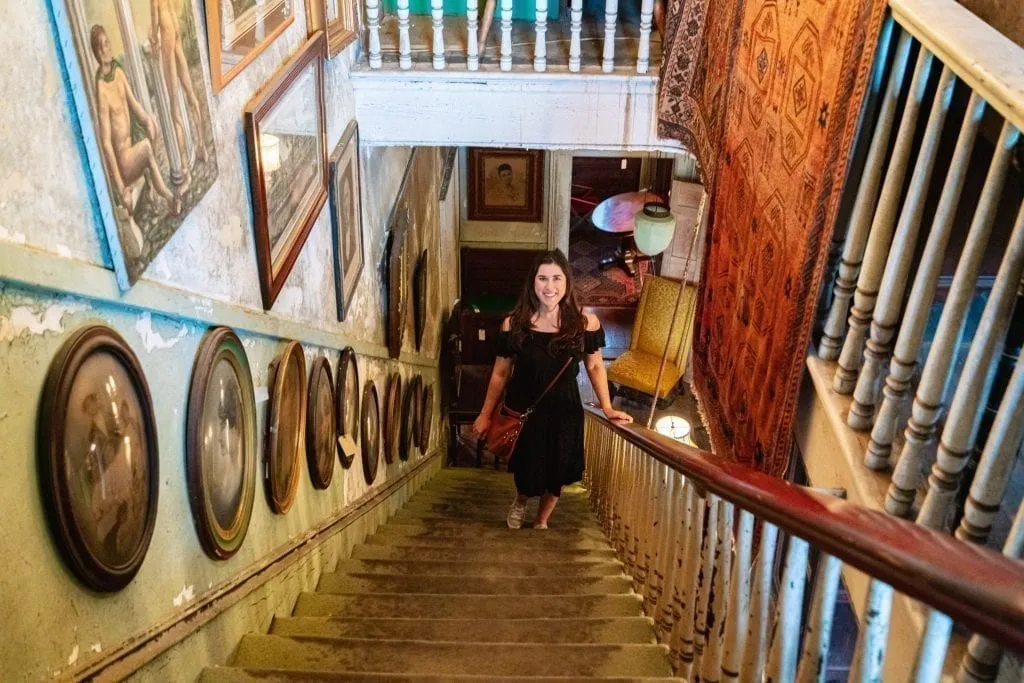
{"points": [[445, 591]]}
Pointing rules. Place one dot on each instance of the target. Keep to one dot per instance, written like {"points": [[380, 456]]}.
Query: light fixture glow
{"points": [[673, 427], [654, 226]]}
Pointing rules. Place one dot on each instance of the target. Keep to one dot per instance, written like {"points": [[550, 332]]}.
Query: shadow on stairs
{"points": [[444, 591]]}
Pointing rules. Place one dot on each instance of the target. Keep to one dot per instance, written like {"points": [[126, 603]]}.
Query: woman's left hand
{"points": [[618, 415]]}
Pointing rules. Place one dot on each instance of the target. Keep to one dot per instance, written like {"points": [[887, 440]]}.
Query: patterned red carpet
{"points": [[596, 287]]}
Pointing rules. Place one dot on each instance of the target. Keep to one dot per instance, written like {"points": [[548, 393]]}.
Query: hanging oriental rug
{"points": [[767, 95]]}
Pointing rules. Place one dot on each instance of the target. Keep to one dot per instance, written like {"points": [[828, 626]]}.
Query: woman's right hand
{"points": [[480, 425]]}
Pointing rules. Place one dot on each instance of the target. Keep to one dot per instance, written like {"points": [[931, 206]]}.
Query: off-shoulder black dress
{"points": [[549, 452]]}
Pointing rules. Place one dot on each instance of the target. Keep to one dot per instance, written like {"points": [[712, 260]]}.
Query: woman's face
{"points": [[549, 284]]}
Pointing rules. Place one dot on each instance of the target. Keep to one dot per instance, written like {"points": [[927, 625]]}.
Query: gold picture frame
{"points": [[339, 19], [236, 38]]}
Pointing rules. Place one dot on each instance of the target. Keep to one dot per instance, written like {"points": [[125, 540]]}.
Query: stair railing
{"points": [[699, 535]]}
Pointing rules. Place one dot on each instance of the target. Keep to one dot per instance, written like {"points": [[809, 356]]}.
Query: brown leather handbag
{"points": [[506, 424]]}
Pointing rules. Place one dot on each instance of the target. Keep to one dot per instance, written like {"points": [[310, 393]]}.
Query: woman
{"points": [[545, 329]]}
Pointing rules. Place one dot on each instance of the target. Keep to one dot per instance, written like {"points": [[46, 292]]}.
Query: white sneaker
{"points": [[540, 526], [516, 514]]}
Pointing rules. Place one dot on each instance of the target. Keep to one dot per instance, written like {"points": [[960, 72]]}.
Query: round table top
{"points": [[616, 214]]}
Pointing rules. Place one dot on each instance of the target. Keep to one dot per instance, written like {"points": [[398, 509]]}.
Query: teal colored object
{"points": [[521, 9]]}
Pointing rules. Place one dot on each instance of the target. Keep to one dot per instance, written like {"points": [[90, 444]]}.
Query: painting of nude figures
{"points": [[136, 75]]}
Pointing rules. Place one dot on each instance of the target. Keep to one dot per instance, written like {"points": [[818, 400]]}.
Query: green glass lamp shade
{"points": [[653, 228]]}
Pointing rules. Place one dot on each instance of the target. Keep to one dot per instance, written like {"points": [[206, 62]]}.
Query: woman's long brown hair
{"points": [[571, 322]]}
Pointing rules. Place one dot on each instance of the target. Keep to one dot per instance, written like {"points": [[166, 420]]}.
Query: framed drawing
{"points": [[287, 149], [98, 462], [396, 287], [239, 30], [136, 80], [220, 445], [346, 218], [339, 19], [347, 411], [407, 430], [426, 417], [369, 418], [286, 420], [505, 185], [321, 434], [392, 416]]}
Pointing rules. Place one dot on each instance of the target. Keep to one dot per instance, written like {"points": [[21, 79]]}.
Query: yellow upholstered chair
{"points": [[637, 369]]}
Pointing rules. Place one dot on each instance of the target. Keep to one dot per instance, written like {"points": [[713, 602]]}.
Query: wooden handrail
{"points": [[972, 584]]}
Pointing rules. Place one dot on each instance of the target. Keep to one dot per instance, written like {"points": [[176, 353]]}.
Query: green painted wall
{"points": [[55, 277]]}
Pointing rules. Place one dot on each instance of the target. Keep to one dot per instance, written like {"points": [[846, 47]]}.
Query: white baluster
{"points": [[540, 51], [898, 263], [931, 651], [968, 402], [818, 638], [373, 30], [996, 464], [437, 20], [711, 665], [611, 11], [681, 643], [674, 607], [472, 39], [880, 234], [863, 208], [755, 649], [869, 657], [506, 35], [404, 46], [643, 57], [783, 651], [922, 293], [932, 388], [739, 600], [575, 30], [981, 663], [700, 623], [664, 543]]}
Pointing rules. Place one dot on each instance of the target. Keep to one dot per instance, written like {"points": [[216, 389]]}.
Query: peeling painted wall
{"points": [[53, 625]]}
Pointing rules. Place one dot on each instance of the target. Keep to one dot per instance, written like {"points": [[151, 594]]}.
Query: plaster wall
{"points": [[53, 626]]}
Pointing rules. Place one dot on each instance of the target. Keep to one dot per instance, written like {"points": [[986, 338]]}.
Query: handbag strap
{"points": [[547, 388]]}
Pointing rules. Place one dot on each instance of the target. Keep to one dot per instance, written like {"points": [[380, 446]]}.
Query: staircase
{"points": [[445, 591]]}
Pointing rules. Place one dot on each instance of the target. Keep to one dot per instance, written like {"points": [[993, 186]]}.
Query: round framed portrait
{"points": [[426, 417], [348, 401], [286, 421], [392, 417], [369, 418], [407, 419], [420, 295], [220, 444], [98, 461], [416, 398], [321, 434]]}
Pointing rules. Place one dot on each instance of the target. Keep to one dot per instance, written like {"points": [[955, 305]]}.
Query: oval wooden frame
{"points": [[407, 422], [292, 355], [219, 543], [348, 376], [320, 370], [426, 417], [371, 461], [416, 388], [52, 472], [392, 417]]}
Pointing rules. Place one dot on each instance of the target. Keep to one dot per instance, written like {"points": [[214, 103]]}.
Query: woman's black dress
{"points": [[549, 452]]}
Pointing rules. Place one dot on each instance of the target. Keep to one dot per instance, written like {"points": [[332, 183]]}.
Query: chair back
{"points": [[654, 318]]}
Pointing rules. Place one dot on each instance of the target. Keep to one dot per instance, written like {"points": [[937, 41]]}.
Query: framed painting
{"points": [[420, 283], [239, 30], [286, 141], [98, 461], [347, 402], [220, 446], [392, 417], [346, 218], [321, 431], [505, 185], [339, 19], [396, 287], [135, 73], [286, 420], [448, 156], [426, 417], [369, 420]]}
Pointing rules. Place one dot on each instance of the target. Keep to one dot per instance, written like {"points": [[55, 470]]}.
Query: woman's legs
{"points": [[544, 510], [517, 511]]}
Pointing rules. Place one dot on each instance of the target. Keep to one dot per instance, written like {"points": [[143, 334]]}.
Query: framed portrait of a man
{"points": [[346, 218], [505, 185], [136, 77]]}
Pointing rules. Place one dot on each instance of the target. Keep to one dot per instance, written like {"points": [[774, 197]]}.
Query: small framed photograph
{"points": [[239, 30], [286, 140], [505, 185], [339, 19], [346, 218]]}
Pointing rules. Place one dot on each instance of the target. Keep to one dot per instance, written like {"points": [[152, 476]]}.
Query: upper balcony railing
{"points": [[552, 38]]}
